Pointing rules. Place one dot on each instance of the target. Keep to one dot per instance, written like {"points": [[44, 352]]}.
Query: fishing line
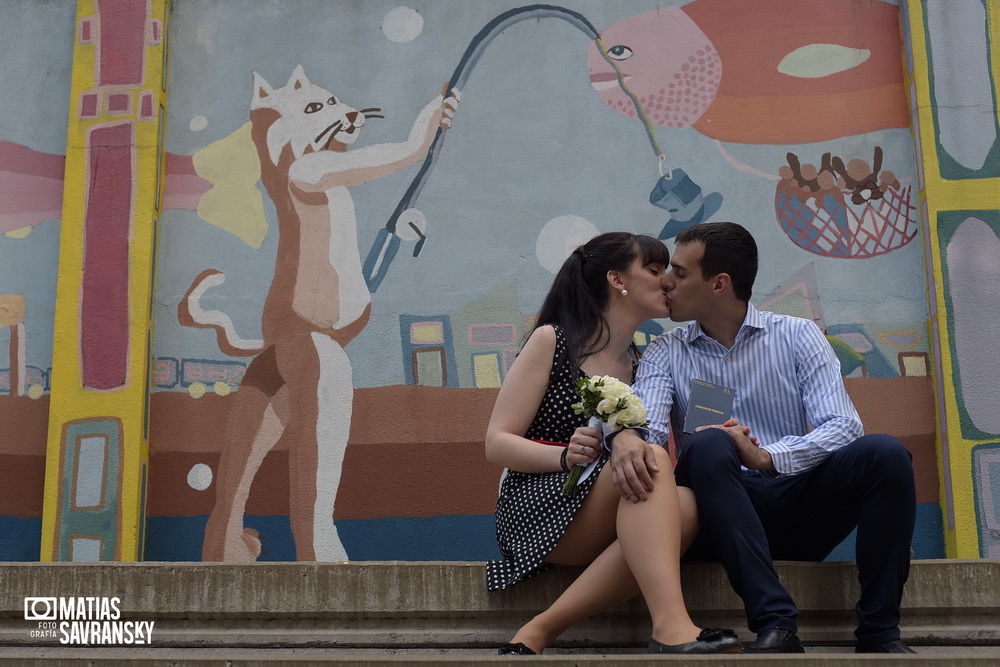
{"points": [[387, 243]]}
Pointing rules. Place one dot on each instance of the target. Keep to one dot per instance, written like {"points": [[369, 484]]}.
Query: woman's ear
{"points": [[615, 280]]}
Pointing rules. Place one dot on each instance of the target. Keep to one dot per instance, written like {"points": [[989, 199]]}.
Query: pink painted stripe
{"points": [[26, 200], [184, 192], [104, 295], [123, 38], [23, 160], [11, 221], [180, 164]]}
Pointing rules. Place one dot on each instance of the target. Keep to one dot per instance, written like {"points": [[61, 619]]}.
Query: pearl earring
{"points": [[624, 292]]}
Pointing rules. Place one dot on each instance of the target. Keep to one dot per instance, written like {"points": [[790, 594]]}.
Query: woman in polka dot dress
{"points": [[603, 292]]}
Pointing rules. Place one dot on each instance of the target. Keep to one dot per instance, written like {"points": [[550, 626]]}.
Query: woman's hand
{"points": [[584, 446]]}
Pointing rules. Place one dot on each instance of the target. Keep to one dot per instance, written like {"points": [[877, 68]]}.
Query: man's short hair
{"points": [[729, 248]]}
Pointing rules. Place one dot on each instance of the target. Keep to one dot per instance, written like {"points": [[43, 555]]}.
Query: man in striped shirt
{"points": [[792, 473]]}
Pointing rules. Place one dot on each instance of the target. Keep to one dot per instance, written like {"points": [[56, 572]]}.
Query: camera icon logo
{"points": [[40, 609]]}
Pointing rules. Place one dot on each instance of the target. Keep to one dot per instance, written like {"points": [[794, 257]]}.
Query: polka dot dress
{"points": [[532, 512]]}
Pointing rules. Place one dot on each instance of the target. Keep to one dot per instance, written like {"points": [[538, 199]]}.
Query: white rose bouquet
{"points": [[611, 405]]}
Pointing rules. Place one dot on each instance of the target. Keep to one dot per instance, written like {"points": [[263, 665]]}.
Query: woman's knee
{"points": [[663, 460]]}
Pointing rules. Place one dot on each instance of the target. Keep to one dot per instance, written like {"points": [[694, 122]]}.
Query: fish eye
{"points": [[619, 52], [332, 100], [313, 107]]}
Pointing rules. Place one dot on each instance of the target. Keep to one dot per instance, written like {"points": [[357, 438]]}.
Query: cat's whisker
{"points": [[332, 127]]}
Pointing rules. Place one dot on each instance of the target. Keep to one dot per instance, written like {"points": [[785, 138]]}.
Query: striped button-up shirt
{"points": [[785, 377]]}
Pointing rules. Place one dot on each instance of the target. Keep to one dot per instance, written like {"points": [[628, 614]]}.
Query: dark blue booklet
{"points": [[708, 404]]}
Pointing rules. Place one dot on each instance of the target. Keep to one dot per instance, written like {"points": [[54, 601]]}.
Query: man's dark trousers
{"points": [[747, 521]]}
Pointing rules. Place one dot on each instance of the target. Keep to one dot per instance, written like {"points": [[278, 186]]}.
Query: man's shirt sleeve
{"points": [[654, 384], [828, 408]]}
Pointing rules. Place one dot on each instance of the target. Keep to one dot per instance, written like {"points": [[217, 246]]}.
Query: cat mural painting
{"points": [[299, 387]]}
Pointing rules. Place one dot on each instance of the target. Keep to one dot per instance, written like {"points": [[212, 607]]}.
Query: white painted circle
{"points": [[407, 220], [402, 24], [559, 237], [199, 477], [198, 123]]}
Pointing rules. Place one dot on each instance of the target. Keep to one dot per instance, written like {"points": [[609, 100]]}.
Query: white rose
{"points": [[633, 401], [607, 406], [631, 415], [614, 389], [614, 420]]}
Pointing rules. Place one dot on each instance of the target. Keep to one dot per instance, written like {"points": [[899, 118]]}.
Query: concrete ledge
{"points": [[444, 604], [230, 657]]}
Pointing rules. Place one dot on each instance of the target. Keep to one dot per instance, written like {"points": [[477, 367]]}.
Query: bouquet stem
{"points": [[570, 488], [610, 405]]}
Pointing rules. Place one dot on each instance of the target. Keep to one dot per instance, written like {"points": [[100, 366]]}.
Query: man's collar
{"points": [[752, 320]]}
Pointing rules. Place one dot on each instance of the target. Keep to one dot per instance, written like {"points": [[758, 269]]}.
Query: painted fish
{"points": [[761, 72]]}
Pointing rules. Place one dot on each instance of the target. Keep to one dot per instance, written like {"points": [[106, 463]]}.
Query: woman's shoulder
{"points": [[547, 341], [547, 336]]}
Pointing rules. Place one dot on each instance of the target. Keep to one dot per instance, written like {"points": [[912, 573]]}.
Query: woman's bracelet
{"points": [[562, 459]]}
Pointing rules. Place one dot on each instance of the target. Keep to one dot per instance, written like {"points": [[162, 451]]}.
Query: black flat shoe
{"points": [[515, 649], [776, 640], [895, 646], [711, 640]]}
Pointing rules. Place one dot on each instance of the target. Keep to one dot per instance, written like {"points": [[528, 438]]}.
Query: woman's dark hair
{"points": [[580, 293], [729, 248]]}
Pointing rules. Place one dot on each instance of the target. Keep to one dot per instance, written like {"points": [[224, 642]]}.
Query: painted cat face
{"points": [[311, 117]]}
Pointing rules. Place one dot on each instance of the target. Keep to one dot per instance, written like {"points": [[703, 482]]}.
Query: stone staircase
{"points": [[439, 613]]}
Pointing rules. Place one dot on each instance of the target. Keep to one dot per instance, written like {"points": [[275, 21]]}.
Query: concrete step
{"points": [[444, 606], [820, 656]]}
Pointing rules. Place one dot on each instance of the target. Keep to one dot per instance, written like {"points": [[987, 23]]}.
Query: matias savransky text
{"points": [[85, 620]]}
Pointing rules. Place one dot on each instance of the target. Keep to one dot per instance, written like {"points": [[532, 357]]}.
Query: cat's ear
{"points": [[298, 78], [262, 93]]}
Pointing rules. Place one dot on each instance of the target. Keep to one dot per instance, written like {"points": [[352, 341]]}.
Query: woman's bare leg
{"points": [[609, 581], [650, 536]]}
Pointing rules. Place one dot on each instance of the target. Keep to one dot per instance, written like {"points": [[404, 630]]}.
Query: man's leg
{"points": [[732, 529], [868, 484]]}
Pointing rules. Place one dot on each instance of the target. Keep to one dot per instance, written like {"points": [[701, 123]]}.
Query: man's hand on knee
{"points": [[633, 465], [749, 451]]}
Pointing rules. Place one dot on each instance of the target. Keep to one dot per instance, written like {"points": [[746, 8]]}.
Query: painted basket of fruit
{"points": [[851, 211]]}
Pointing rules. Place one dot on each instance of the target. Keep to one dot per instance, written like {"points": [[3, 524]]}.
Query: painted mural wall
{"points": [[39, 37], [361, 222], [364, 203], [960, 144]]}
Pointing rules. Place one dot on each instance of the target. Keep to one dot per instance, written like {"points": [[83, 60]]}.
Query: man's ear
{"points": [[721, 283]]}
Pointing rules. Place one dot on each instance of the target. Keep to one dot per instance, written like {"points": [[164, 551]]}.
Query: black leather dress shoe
{"points": [[776, 640], [711, 640], [515, 649], [895, 646]]}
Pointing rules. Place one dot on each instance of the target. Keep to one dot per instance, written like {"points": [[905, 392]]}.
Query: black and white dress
{"points": [[532, 512]]}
